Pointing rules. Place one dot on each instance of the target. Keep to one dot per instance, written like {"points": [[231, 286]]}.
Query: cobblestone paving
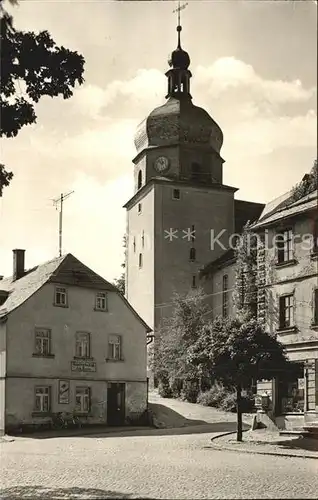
{"points": [[153, 466]]}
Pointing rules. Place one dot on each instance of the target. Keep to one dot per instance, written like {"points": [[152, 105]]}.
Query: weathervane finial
{"points": [[179, 27]]}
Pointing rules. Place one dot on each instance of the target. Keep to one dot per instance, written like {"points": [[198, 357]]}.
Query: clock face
{"points": [[161, 164]]}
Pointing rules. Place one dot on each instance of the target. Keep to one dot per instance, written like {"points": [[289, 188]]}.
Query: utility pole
{"points": [[56, 202]]}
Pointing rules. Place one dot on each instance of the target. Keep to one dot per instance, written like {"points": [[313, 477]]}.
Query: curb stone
{"points": [[6, 439], [256, 452]]}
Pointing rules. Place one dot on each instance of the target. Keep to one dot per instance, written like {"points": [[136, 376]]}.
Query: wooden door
{"points": [[116, 404]]}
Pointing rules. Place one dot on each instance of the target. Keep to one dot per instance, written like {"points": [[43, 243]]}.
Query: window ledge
{"points": [[65, 306], [50, 356], [111, 360], [41, 414], [287, 263], [100, 310], [288, 329], [84, 358]]}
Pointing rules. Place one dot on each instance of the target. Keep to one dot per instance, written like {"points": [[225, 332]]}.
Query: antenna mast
{"points": [[59, 202]]}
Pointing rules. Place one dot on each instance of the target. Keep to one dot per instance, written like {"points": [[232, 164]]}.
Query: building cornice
{"points": [[176, 183]]}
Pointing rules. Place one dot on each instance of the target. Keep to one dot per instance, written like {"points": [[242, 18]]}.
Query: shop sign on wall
{"points": [[83, 365]]}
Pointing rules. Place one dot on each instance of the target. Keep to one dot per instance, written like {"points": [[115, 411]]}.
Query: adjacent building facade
{"points": [[288, 302], [287, 269], [69, 342]]}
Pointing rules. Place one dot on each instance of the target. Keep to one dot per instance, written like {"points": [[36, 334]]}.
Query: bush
{"points": [[220, 397], [190, 391], [213, 396], [164, 389], [176, 387], [229, 402]]}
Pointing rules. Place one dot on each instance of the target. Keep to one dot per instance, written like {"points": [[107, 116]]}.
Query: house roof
{"points": [[226, 259], [245, 211], [304, 204], [66, 270], [276, 204]]}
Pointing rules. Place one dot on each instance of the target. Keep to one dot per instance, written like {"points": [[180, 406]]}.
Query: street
{"points": [[159, 464]]}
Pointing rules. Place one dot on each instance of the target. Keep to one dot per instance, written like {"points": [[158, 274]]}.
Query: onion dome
{"points": [[178, 121]]}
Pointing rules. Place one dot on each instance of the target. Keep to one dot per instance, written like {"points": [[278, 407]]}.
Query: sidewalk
{"points": [[267, 443], [84, 431]]}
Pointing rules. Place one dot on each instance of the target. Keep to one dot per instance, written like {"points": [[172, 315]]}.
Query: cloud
{"points": [[138, 93], [261, 136], [228, 74]]}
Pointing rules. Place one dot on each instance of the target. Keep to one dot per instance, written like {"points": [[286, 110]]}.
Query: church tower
{"points": [[180, 201]]}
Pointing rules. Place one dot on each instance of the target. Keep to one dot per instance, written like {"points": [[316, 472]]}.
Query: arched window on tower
{"points": [[195, 172], [139, 182]]}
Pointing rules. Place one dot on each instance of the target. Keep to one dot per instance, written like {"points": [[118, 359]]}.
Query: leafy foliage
{"points": [[5, 178], [120, 283], [308, 184], [214, 396], [35, 64], [245, 293], [237, 351], [169, 361]]}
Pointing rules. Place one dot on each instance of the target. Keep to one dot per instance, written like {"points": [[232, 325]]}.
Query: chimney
{"points": [[18, 264]]}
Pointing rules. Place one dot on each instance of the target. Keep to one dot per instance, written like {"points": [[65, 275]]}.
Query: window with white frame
{"points": [[60, 296], [285, 246], [42, 341], [101, 301], [114, 347], [286, 311], [42, 399], [82, 345], [82, 399]]}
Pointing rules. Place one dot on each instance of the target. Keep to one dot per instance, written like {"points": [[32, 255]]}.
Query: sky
{"points": [[254, 67]]}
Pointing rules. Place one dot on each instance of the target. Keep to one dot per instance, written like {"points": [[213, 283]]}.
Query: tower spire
{"points": [[179, 27], [179, 74]]}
